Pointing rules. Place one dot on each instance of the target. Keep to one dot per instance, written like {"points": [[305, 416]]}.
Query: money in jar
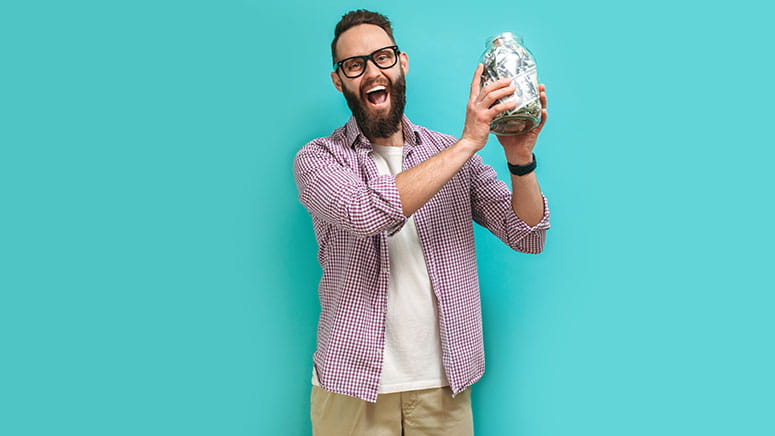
{"points": [[506, 57]]}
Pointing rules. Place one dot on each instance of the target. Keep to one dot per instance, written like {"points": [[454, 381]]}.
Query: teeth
{"points": [[375, 89]]}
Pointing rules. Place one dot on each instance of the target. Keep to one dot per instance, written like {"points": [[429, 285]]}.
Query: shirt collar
{"points": [[357, 140]]}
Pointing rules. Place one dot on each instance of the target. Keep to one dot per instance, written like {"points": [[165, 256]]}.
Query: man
{"points": [[392, 205]]}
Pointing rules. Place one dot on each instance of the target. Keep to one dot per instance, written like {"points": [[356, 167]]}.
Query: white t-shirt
{"points": [[412, 340]]}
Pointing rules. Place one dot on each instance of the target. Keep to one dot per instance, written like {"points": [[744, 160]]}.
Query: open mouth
{"points": [[377, 95]]}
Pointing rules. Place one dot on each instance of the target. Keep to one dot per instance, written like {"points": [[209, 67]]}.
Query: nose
{"points": [[372, 69]]}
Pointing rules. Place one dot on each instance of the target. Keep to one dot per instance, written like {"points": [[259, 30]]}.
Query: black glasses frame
{"points": [[366, 58]]}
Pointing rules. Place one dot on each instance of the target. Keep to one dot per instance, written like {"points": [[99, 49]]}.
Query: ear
{"points": [[337, 81], [404, 59]]}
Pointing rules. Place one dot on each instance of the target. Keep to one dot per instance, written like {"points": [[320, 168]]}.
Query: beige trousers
{"points": [[427, 412]]}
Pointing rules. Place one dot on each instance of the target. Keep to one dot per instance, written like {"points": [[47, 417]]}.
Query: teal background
{"points": [[158, 275]]}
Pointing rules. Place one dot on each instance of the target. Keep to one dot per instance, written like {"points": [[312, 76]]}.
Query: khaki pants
{"points": [[426, 412]]}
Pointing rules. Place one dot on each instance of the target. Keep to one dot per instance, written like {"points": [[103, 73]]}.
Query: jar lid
{"points": [[507, 39]]}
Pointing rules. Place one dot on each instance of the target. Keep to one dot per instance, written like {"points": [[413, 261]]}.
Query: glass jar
{"points": [[506, 57]]}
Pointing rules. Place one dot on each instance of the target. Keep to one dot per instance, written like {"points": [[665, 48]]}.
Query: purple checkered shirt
{"points": [[354, 210]]}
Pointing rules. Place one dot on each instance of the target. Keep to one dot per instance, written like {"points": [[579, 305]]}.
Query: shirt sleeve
{"points": [[491, 208], [336, 194]]}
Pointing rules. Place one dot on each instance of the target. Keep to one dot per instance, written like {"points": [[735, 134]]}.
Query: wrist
{"points": [[517, 154], [519, 169], [469, 145], [519, 158]]}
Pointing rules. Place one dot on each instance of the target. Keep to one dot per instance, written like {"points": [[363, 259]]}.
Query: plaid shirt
{"points": [[354, 210]]}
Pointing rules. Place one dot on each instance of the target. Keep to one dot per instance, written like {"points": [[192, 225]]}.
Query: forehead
{"points": [[361, 40]]}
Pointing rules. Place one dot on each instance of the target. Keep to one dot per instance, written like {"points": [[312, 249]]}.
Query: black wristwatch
{"points": [[521, 170]]}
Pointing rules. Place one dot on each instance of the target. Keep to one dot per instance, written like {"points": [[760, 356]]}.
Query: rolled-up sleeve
{"points": [[336, 194], [491, 208]]}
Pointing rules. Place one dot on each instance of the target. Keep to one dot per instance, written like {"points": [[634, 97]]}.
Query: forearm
{"points": [[526, 198], [420, 183]]}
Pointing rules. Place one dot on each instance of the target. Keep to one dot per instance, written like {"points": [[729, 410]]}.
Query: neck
{"points": [[394, 140]]}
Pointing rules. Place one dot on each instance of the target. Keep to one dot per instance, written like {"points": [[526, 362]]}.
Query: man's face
{"points": [[378, 112]]}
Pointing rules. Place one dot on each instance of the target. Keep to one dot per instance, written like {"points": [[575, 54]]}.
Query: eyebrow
{"points": [[361, 55]]}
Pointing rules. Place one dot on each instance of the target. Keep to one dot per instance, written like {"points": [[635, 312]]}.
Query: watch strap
{"points": [[521, 170]]}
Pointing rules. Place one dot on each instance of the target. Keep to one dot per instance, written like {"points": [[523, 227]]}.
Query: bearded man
{"points": [[392, 206]]}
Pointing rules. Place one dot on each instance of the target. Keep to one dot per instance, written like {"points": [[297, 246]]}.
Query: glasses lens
{"points": [[352, 67], [385, 58]]}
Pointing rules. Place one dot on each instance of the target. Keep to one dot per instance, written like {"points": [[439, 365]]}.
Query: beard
{"points": [[380, 125]]}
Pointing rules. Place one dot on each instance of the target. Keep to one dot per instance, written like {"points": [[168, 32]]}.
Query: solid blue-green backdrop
{"points": [[158, 275]]}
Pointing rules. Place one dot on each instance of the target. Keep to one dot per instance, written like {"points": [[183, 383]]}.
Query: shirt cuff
{"points": [[388, 201], [515, 222]]}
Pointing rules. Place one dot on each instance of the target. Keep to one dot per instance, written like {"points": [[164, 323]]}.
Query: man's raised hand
{"points": [[483, 107]]}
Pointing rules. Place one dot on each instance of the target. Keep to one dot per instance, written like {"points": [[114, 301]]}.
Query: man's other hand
{"points": [[519, 148]]}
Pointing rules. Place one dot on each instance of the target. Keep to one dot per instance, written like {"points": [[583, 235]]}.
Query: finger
{"points": [[501, 83], [543, 99], [476, 83], [543, 121], [501, 107], [488, 99], [492, 92]]}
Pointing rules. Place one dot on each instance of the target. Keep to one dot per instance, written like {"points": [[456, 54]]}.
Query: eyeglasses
{"points": [[354, 66]]}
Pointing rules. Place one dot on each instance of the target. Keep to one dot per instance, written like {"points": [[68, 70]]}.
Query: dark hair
{"points": [[354, 18]]}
